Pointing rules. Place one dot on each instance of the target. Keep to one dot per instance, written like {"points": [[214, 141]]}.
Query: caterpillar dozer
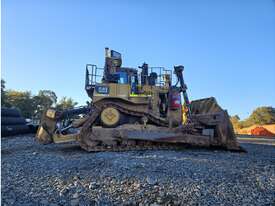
{"points": [[138, 108]]}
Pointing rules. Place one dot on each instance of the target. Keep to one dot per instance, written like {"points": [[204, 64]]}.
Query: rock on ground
{"points": [[34, 174]]}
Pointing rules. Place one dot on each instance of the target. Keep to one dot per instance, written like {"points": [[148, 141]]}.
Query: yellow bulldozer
{"points": [[138, 108]]}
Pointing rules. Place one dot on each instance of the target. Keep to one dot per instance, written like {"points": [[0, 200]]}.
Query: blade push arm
{"points": [[179, 73]]}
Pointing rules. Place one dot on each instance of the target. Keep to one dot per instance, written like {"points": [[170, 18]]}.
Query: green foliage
{"points": [[44, 100], [66, 103], [260, 116], [235, 120], [20, 100], [33, 105], [3, 94], [3, 85]]}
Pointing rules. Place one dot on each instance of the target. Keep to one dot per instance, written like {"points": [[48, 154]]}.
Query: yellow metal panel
{"points": [[59, 138], [50, 113], [112, 89], [123, 90]]}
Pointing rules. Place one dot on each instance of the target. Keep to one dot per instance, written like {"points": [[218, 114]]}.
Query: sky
{"points": [[227, 47]]}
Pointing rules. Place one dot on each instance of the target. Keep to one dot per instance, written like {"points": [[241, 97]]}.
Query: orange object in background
{"points": [[261, 131]]}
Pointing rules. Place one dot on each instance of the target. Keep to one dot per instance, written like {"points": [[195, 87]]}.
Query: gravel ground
{"points": [[34, 174]]}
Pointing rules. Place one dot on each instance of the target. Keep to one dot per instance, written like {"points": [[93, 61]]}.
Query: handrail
{"points": [[94, 74]]}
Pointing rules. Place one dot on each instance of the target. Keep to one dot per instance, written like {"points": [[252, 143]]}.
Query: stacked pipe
{"points": [[12, 123]]}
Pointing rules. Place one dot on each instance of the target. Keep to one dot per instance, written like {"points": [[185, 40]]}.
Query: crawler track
{"points": [[138, 146], [113, 140], [90, 142]]}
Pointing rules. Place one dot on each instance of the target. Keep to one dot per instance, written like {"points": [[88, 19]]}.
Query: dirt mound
{"points": [[261, 131], [247, 130]]}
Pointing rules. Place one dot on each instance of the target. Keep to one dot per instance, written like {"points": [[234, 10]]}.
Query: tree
{"points": [[3, 85], [66, 103], [3, 94], [44, 100], [31, 106], [52, 98], [22, 101], [235, 120], [262, 115]]}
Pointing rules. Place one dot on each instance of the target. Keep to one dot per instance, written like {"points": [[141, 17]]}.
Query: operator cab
{"points": [[113, 72]]}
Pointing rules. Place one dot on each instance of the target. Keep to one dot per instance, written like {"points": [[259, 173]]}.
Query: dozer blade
{"points": [[206, 113]]}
